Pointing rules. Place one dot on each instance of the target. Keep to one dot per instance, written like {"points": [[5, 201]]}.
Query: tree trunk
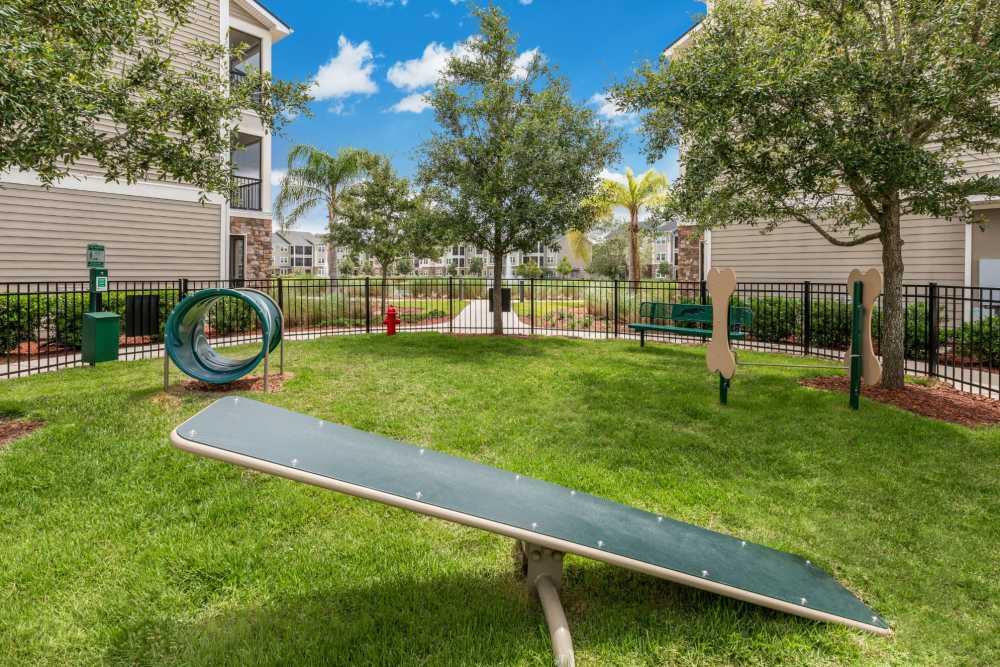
{"points": [[893, 310], [331, 248], [634, 271], [498, 294]]}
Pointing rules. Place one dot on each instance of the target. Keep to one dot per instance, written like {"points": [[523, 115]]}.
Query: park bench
{"points": [[656, 314]]}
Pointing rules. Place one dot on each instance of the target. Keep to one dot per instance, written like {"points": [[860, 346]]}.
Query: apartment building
{"points": [[460, 256], [154, 229], [299, 252], [934, 249]]}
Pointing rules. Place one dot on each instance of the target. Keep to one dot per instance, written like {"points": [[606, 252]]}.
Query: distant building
{"points": [[546, 256], [299, 252]]}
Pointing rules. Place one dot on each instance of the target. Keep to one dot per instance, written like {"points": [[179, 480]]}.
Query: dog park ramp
{"points": [[284, 443]]}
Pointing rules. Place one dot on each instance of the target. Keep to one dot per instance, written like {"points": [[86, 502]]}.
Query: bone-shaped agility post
{"points": [[549, 520], [871, 283], [719, 356]]}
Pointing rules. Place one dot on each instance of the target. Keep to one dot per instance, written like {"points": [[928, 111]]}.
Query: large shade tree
{"points": [[515, 161], [119, 82], [383, 218], [634, 195], [842, 115], [315, 179]]}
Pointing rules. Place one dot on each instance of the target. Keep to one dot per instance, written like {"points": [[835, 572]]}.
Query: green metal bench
{"points": [[656, 313]]}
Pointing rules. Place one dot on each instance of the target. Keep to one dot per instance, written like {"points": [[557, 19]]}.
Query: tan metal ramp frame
{"points": [[546, 519]]}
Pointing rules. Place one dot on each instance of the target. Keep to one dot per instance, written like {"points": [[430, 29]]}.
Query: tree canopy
{"points": [[118, 82], [843, 115], [515, 161], [610, 257], [382, 218]]}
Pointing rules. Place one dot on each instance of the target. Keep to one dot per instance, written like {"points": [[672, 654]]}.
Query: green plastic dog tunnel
{"points": [[188, 346]]}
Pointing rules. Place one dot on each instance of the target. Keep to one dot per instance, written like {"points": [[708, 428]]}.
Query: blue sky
{"points": [[373, 59]]}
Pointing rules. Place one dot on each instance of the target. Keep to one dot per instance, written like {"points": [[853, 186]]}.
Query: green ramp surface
{"points": [[280, 442]]}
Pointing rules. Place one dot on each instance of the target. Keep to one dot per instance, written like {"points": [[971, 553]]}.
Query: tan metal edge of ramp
{"points": [[513, 532]]}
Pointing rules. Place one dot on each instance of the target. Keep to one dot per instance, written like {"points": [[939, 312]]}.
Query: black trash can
{"points": [[504, 297], [142, 315]]}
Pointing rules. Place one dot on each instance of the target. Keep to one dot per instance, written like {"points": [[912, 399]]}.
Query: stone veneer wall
{"points": [[257, 232], [688, 254]]}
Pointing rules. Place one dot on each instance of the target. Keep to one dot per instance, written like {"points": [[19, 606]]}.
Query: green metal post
{"points": [[723, 390], [857, 316]]}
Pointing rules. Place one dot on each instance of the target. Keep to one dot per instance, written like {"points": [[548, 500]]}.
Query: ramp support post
{"points": [[542, 568], [166, 369]]}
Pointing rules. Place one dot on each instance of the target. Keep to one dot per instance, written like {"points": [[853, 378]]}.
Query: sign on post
{"points": [[95, 256]]}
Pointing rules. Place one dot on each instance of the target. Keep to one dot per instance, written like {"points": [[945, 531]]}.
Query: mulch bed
{"points": [[275, 382], [938, 401], [12, 429]]}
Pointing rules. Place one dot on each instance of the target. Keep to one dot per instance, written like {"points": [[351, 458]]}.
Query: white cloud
{"points": [[383, 3], [525, 2], [424, 71], [433, 14], [523, 60], [278, 177], [413, 103], [348, 73], [612, 176], [605, 106]]}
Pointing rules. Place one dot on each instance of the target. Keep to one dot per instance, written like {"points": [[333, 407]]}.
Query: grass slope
{"points": [[117, 549]]}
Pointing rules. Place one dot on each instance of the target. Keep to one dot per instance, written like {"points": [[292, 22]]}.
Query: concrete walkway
{"points": [[477, 317]]}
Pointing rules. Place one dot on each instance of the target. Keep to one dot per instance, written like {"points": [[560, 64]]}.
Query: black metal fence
{"points": [[952, 333]]}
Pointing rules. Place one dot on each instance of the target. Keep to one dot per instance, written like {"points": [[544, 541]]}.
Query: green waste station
{"points": [[100, 330]]}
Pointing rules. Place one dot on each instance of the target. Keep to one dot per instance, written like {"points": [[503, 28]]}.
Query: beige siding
{"points": [[204, 26], [44, 234], [933, 250], [237, 12], [982, 164]]}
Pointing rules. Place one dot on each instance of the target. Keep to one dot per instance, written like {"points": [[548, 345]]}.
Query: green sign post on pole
{"points": [[857, 317], [100, 330]]}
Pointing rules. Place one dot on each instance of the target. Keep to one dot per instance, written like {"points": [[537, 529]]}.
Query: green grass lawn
{"points": [[543, 308], [116, 548]]}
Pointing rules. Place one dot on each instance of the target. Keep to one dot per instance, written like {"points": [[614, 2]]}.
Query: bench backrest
{"points": [[739, 316]]}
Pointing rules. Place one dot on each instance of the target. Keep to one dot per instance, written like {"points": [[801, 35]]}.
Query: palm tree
{"points": [[579, 245], [633, 195], [316, 178]]}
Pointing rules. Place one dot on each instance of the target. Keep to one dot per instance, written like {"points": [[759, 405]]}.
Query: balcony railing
{"points": [[247, 195], [236, 78]]}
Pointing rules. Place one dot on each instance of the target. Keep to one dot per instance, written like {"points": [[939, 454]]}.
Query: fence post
{"points": [[615, 313], [184, 287], [703, 287], [368, 305], [451, 315], [281, 297], [807, 329], [932, 329], [531, 295]]}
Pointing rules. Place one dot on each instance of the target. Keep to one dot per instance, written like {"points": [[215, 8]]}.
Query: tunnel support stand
{"points": [[542, 569]]}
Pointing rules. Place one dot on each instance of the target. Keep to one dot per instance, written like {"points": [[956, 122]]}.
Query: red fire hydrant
{"points": [[391, 321]]}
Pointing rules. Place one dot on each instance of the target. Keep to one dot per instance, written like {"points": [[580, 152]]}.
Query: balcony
{"points": [[246, 51], [247, 195], [236, 78]]}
